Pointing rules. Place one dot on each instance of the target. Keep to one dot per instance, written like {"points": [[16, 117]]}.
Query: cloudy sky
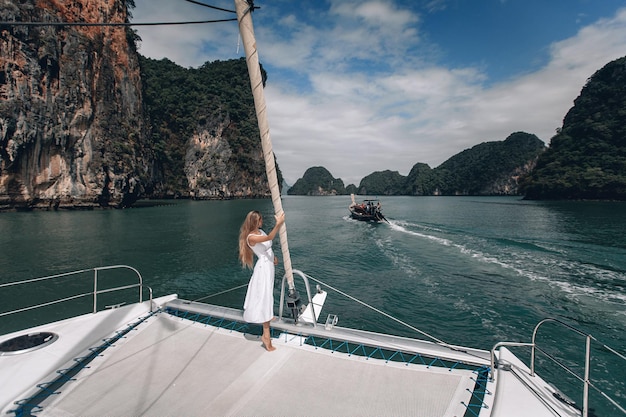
{"points": [[364, 86]]}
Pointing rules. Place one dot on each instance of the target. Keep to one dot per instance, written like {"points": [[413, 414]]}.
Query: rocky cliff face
{"points": [[203, 130], [86, 122], [206, 164], [211, 169], [71, 118]]}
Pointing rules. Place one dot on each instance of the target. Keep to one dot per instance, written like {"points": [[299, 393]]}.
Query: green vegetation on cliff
{"points": [[587, 157], [490, 168], [317, 181], [382, 183], [183, 101]]}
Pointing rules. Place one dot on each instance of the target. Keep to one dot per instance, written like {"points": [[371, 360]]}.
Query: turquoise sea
{"points": [[467, 270]]}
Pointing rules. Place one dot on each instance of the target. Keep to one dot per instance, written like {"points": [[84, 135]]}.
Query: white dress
{"points": [[258, 306]]}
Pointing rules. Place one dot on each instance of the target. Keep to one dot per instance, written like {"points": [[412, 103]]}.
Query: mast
{"points": [[246, 30]]}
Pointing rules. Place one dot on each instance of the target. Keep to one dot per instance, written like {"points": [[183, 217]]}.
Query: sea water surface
{"points": [[467, 270]]}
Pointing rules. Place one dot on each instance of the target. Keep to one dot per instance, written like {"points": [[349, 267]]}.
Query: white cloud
{"points": [[433, 113], [184, 44], [375, 14]]}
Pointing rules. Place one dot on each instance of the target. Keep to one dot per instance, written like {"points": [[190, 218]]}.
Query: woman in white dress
{"points": [[258, 306]]}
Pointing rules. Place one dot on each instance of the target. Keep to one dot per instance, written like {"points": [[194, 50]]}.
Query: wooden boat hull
{"points": [[376, 218]]}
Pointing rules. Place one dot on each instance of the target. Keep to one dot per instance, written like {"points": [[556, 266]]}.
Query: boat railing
{"points": [[94, 293], [308, 293], [584, 379]]}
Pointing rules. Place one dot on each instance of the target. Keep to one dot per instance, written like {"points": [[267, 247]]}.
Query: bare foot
{"points": [[268, 344]]}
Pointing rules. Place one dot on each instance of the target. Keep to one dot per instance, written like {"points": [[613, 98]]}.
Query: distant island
{"points": [[586, 158], [491, 168]]}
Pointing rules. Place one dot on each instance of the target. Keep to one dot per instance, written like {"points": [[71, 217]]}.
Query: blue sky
{"points": [[364, 86]]}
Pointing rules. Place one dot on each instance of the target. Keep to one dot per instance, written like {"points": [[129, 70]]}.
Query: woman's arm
{"points": [[254, 239]]}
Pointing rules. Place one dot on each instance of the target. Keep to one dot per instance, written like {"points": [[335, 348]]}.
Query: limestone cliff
{"points": [[71, 118], [318, 181], [203, 130], [212, 170], [86, 122], [586, 159]]}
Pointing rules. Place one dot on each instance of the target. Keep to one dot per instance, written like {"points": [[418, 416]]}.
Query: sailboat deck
{"points": [[168, 365], [173, 366], [196, 359]]}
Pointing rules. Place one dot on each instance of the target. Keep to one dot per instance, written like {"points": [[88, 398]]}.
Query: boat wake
{"points": [[399, 226], [573, 277]]}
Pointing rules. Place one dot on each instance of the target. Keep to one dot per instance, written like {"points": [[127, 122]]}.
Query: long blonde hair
{"points": [[252, 222]]}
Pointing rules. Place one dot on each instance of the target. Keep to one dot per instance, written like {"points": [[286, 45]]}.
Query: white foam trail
{"points": [[560, 267], [396, 226]]}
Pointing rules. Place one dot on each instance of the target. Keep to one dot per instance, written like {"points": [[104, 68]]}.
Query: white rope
{"points": [[380, 312], [220, 293]]}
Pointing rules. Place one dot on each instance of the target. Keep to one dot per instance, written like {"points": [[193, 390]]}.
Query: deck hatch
{"points": [[27, 343]]}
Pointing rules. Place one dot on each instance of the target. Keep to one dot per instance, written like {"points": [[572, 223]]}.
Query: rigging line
{"points": [[210, 7], [114, 24], [610, 349], [219, 293], [439, 342], [380, 311]]}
